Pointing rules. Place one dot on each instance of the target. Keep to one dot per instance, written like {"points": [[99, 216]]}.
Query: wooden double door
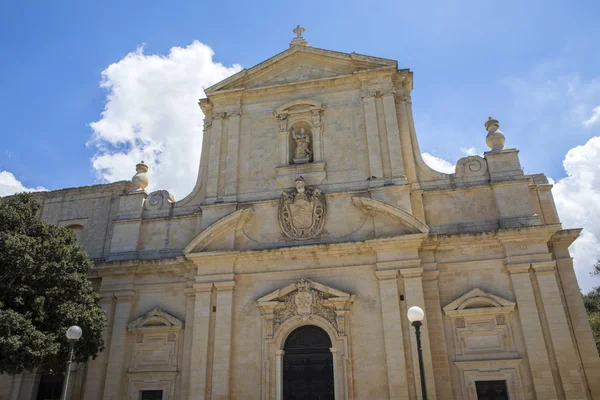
{"points": [[308, 365]]}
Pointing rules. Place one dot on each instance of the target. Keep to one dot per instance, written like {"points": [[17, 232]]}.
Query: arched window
{"points": [[77, 230]]}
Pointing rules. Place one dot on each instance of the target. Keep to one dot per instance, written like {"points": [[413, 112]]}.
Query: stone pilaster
{"points": [[393, 133], [392, 333], [537, 354], [115, 371], [405, 138], [279, 374], [413, 291], [562, 343], [199, 351], [96, 369], [437, 337], [214, 154], [25, 385], [576, 313], [233, 144], [188, 337], [222, 345], [375, 164]]}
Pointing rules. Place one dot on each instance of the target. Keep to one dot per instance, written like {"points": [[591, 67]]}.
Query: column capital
{"points": [[279, 353], [544, 267], [333, 350]]}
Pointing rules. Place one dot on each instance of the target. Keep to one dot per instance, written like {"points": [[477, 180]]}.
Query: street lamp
{"points": [[73, 334], [415, 316]]}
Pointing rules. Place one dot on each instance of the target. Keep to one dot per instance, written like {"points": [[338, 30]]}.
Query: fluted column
{"points": [[115, 370], [96, 369], [568, 363], [413, 291], [393, 133], [539, 360], [199, 354], [392, 334], [376, 167], [222, 345]]}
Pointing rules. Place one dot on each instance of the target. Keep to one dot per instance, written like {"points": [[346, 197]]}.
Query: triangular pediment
{"points": [[156, 319], [305, 300], [304, 284], [478, 301], [300, 64]]}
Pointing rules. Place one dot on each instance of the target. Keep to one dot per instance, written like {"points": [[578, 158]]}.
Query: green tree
{"points": [[591, 301], [43, 290]]}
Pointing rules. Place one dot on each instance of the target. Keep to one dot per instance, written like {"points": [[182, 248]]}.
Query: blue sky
{"points": [[534, 65]]}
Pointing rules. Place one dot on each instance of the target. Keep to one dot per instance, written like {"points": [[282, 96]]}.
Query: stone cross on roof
{"points": [[299, 39]]}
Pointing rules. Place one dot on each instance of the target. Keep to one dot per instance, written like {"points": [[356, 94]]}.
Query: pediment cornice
{"points": [[355, 63]]}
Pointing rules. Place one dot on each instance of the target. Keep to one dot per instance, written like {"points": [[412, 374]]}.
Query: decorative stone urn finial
{"points": [[140, 179], [299, 39], [495, 138]]}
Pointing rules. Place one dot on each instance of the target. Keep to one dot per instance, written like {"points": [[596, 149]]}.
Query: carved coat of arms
{"points": [[302, 212]]}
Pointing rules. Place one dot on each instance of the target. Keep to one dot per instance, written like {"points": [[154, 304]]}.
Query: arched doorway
{"points": [[308, 365]]}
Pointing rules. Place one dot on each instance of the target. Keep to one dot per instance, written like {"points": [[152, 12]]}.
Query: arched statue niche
{"points": [[301, 143], [308, 365]]}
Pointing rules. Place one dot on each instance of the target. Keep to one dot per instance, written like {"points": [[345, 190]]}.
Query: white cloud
{"points": [[10, 185], [577, 198], [152, 114], [594, 118], [439, 164], [471, 151]]}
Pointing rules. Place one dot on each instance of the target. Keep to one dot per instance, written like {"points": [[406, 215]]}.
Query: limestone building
{"points": [[314, 225]]}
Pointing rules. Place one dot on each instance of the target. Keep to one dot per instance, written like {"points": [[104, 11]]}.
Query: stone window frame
{"points": [[480, 306], [153, 322], [477, 305], [275, 336], [491, 370], [75, 225]]}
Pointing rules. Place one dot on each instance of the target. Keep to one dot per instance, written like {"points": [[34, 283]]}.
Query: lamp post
{"points": [[73, 334], [415, 316]]}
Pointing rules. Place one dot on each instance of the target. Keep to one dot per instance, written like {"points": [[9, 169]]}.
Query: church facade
{"points": [[314, 225]]}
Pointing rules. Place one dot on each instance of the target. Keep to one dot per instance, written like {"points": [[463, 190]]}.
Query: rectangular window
{"points": [[491, 390], [152, 395]]}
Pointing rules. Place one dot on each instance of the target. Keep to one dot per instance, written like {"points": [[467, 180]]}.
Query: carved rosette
{"points": [[305, 299], [302, 212]]}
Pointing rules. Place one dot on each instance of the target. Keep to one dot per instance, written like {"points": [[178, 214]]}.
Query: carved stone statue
{"points": [[303, 152], [302, 212]]}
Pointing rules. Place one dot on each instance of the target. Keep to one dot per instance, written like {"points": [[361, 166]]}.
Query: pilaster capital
{"points": [[409, 273], [124, 296], [203, 287], [516, 269], [368, 94], [544, 267], [333, 350], [388, 274], [224, 286], [388, 92], [279, 353]]}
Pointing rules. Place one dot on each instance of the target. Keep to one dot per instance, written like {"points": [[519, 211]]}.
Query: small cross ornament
{"points": [[299, 39], [299, 31]]}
